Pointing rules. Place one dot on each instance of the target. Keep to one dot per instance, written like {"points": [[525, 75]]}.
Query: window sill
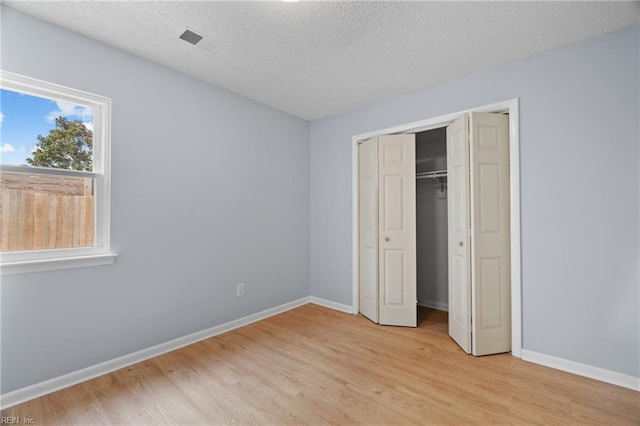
{"points": [[27, 266]]}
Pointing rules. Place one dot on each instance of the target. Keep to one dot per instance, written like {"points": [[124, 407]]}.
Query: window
{"points": [[54, 176]]}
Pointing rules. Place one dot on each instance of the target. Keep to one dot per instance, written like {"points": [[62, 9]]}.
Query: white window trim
{"points": [[53, 259]]}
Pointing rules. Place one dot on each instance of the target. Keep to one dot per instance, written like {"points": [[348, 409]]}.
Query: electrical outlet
{"points": [[240, 289]]}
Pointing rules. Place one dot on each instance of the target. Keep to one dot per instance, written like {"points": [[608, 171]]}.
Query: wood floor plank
{"points": [[313, 365]]}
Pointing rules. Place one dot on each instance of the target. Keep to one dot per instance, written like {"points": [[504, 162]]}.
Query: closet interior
{"points": [[431, 219]]}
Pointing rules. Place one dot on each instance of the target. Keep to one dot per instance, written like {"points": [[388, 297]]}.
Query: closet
{"points": [[401, 226]]}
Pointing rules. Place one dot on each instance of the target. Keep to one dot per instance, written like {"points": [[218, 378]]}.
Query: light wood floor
{"points": [[317, 366]]}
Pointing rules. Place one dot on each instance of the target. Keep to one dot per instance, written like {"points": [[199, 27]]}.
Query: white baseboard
{"points": [[332, 305], [597, 373], [48, 386], [434, 305]]}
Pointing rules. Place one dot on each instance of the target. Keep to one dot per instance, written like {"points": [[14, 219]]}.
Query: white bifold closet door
{"points": [[387, 203], [368, 208], [479, 240]]}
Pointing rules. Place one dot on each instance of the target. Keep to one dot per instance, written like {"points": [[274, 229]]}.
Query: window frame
{"points": [[64, 258]]}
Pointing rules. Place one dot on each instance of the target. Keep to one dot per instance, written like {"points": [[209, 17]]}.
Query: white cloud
{"points": [[75, 112], [7, 147], [88, 125], [1, 118]]}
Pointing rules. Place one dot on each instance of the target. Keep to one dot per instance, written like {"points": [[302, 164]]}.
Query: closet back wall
{"points": [[431, 221], [208, 189]]}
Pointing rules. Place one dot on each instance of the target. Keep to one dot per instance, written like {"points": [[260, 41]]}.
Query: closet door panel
{"points": [[459, 228], [394, 266], [490, 316], [368, 232], [393, 216], [397, 232], [491, 275]]}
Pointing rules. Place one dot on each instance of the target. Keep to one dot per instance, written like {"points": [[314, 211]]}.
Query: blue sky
{"points": [[24, 117]]}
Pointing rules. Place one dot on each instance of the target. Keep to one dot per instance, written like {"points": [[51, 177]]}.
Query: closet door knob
{"points": [[460, 243], [386, 238]]}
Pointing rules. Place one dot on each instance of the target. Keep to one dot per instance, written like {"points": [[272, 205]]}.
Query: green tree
{"points": [[68, 146]]}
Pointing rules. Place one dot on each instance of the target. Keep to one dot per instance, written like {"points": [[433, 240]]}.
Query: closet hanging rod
{"points": [[431, 175]]}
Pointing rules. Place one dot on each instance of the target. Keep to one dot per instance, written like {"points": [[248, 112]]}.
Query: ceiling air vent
{"points": [[200, 41], [191, 37]]}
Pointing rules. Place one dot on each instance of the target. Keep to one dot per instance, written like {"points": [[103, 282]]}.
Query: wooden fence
{"points": [[45, 211]]}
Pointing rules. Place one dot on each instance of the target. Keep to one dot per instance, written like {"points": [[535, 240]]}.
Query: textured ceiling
{"points": [[314, 59]]}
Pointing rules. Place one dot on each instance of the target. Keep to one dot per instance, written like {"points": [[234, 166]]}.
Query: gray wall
{"points": [[431, 222], [208, 189], [579, 187]]}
